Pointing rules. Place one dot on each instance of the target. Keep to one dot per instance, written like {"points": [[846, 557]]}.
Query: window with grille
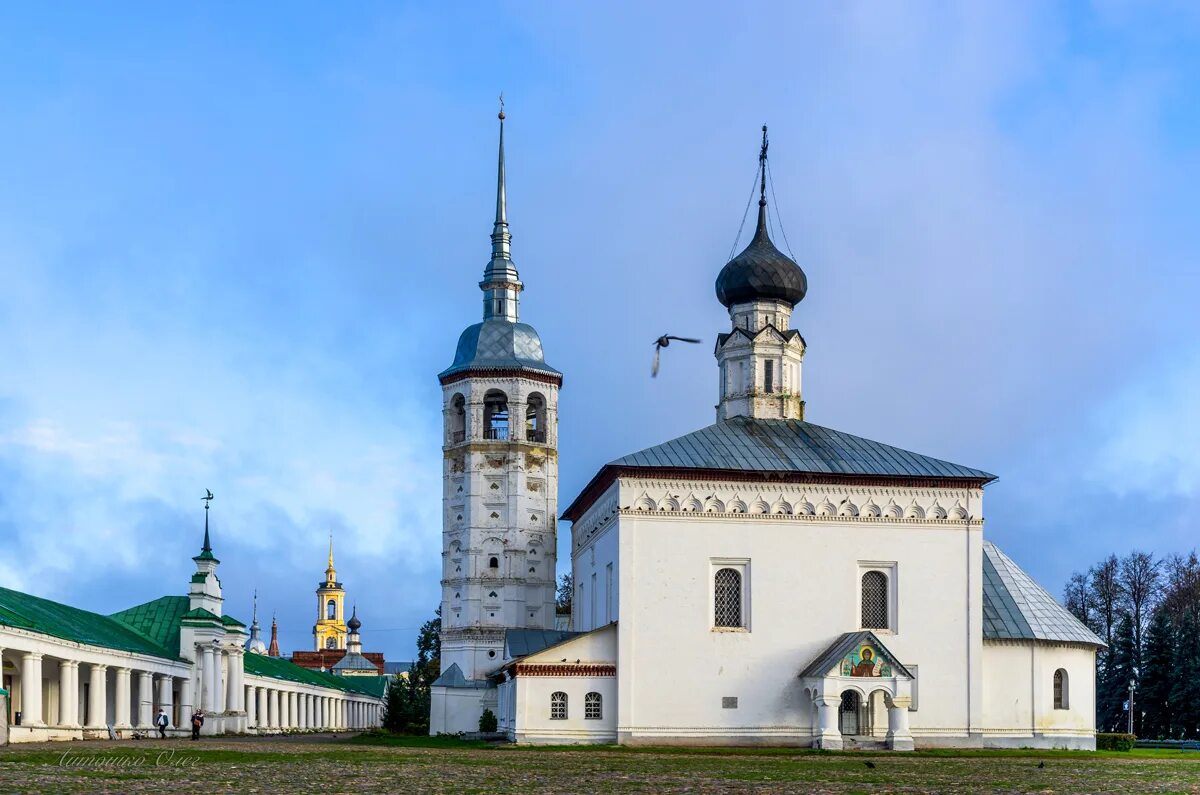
{"points": [[593, 707], [727, 598], [874, 600], [1060, 689], [558, 706]]}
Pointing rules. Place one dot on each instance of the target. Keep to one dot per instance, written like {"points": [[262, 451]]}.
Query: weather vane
{"points": [[501, 106], [208, 496]]}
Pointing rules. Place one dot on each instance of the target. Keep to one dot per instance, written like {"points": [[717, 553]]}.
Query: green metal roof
{"points": [[230, 621], [282, 668], [158, 620], [22, 611], [200, 614]]}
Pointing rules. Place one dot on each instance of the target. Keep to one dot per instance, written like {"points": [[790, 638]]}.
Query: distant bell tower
{"points": [[330, 630], [761, 358], [500, 471]]}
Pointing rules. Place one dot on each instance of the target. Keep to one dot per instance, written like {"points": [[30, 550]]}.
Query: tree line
{"points": [[1147, 610]]}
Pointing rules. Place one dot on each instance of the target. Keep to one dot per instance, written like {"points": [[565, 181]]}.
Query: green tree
{"points": [[1114, 682], [1158, 677], [1185, 670], [407, 703], [562, 599], [397, 707]]}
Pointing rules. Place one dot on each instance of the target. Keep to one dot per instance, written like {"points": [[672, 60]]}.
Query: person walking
{"points": [[161, 722], [197, 722]]}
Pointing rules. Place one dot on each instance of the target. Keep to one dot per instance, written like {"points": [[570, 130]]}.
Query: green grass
{"points": [[387, 763]]}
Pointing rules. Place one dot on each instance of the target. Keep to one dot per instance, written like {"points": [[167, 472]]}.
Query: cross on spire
{"points": [[206, 552]]}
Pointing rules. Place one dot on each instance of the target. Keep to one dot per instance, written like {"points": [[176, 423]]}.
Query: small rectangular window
{"points": [[729, 702], [769, 376], [730, 593]]}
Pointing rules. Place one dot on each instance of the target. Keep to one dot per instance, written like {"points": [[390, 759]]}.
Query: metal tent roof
{"points": [[1017, 608]]}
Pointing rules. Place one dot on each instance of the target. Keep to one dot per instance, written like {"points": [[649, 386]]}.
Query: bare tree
{"points": [[1106, 595], [1077, 597], [1183, 584], [1140, 581]]}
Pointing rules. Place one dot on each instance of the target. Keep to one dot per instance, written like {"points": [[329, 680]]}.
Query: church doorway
{"points": [[850, 713]]}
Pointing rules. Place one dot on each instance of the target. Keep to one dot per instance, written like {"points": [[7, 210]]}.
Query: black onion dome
{"points": [[354, 623], [761, 272]]}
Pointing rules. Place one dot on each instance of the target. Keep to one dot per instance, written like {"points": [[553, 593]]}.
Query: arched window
{"points": [[535, 418], [558, 705], [331, 642], [458, 419], [727, 598], [331, 609], [495, 415], [493, 563], [874, 600], [1061, 696], [593, 707]]}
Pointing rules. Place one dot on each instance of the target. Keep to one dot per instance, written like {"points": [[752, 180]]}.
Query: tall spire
{"points": [[206, 552], [501, 284], [330, 571], [500, 235], [273, 649]]}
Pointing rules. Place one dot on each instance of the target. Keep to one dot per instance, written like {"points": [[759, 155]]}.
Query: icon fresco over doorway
{"points": [[865, 661]]}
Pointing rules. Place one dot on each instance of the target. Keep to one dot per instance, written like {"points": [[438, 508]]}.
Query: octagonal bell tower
{"points": [[500, 472]]}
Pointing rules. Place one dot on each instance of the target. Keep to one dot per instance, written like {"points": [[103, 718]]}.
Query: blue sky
{"points": [[238, 243]]}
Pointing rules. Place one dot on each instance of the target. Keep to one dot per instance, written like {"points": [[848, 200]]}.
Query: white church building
{"points": [[763, 580]]}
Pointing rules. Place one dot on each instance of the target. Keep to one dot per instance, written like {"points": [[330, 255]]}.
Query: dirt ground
{"points": [[333, 764]]}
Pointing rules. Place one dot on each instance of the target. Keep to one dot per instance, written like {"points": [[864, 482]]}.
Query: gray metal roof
{"points": [[520, 642], [454, 677], [756, 445], [1017, 608], [848, 642], [499, 344], [353, 661]]}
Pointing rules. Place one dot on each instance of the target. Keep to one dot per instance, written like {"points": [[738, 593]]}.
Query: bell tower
{"points": [[500, 471], [329, 632]]}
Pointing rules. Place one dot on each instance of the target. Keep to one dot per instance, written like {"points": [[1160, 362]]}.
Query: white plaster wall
{"points": [[804, 592], [1019, 695], [590, 563], [533, 722], [457, 709]]}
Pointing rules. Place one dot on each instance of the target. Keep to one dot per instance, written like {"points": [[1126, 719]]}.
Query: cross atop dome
{"points": [[761, 271]]}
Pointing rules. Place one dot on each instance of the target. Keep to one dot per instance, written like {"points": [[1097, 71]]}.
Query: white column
{"points": [[165, 698], [309, 723], [187, 701], [121, 699], [65, 717], [264, 716], [274, 707], [97, 697], [31, 689], [145, 716], [251, 707], [208, 682], [234, 702], [218, 680], [285, 709], [898, 736], [828, 735]]}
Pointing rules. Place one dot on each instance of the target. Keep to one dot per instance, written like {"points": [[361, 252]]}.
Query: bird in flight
{"points": [[663, 342]]}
